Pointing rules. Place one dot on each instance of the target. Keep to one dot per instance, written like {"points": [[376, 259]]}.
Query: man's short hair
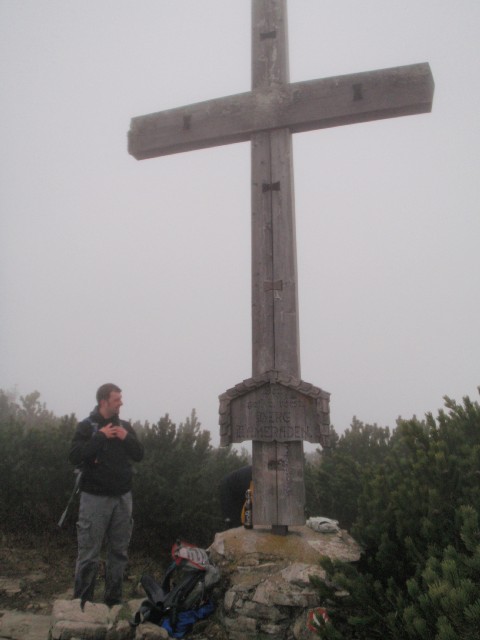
{"points": [[103, 392]]}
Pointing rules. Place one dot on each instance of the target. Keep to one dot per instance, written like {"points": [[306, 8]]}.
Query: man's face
{"points": [[111, 407]]}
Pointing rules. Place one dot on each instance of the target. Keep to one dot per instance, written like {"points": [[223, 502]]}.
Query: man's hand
{"points": [[120, 432], [111, 431]]}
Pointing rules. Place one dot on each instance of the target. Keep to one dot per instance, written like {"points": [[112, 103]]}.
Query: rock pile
{"points": [[267, 591]]}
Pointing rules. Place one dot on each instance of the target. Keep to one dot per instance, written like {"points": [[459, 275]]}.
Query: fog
{"points": [[139, 272]]}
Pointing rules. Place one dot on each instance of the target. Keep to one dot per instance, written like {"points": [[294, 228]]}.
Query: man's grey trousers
{"points": [[102, 518]]}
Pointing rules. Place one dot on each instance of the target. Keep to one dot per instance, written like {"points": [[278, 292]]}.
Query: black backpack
{"points": [[186, 586]]}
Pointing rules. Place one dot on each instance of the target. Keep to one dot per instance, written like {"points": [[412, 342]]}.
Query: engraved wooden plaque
{"points": [[274, 408]]}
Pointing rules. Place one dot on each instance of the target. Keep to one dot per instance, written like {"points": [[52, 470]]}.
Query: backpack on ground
{"points": [[184, 595]]}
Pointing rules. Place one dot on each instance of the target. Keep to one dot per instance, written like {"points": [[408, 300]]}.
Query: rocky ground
{"points": [[31, 578], [265, 589], [35, 573]]}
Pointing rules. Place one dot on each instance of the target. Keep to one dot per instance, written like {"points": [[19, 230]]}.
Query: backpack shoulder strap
{"points": [[166, 578], [93, 424], [155, 592], [172, 604]]}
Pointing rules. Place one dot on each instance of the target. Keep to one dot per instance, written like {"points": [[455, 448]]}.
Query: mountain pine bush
{"points": [[416, 508]]}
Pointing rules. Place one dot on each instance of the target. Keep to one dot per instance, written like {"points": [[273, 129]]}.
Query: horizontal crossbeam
{"points": [[301, 106]]}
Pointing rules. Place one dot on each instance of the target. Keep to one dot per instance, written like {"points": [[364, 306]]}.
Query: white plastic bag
{"points": [[323, 525]]}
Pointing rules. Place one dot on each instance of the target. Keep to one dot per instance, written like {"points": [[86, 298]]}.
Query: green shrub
{"points": [[175, 486], [417, 519]]}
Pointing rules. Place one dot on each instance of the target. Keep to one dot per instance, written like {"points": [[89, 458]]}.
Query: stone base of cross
{"points": [[275, 408]]}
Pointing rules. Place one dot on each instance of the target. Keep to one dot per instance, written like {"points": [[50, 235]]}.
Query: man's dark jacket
{"points": [[105, 462]]}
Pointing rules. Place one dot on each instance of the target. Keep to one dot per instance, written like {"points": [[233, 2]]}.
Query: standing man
{"points": [[103, 447]]}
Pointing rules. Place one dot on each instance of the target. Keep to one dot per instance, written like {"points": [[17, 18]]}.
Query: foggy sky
{"points": [[139, 272]]}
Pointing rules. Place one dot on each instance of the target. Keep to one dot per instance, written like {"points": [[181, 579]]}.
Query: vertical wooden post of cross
{"points": [[277, 466]]}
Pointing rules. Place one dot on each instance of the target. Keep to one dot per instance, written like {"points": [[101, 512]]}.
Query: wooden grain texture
{"points": [[301, 106], [279, 473], [273, 412], [263, 345], [285, 298], [279, 491], [274, 406], [270, 65]]}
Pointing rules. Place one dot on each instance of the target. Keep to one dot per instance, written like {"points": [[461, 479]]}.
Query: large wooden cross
{"points": [[278, 408]]}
